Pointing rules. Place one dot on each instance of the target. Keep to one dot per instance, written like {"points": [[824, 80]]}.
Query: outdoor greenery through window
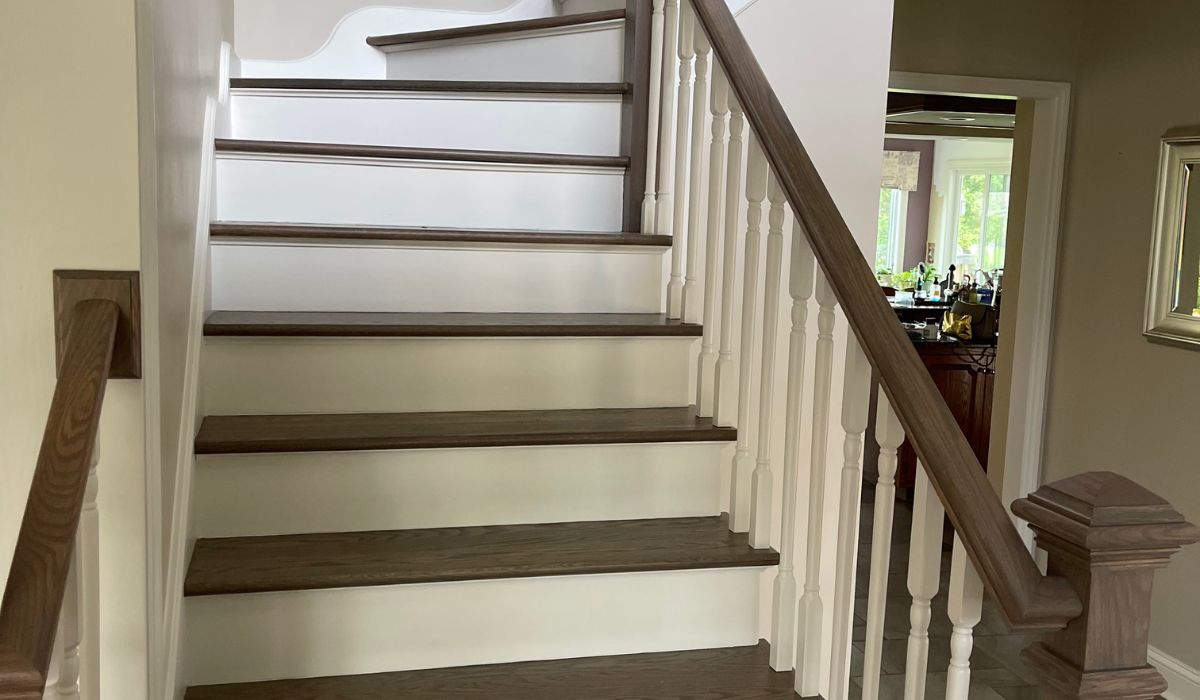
{"points": [[981, 224], [889, 245]]}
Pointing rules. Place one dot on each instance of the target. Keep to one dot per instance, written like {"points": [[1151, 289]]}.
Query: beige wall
{"points": [[1117, 402], [69, 199]]}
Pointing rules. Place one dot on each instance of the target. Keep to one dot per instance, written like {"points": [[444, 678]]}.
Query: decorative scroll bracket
{"points": [[124, 288], [1106, 535]]}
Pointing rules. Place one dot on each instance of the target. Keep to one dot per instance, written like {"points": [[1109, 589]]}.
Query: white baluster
{"points": [[723, 406], [762, 482], [683, 123], [707, 366], [69, 639], [79, 625], [756, 192], [855, 403], [890, 436], [655, 113], [783, 620], [966, 610], [924, 566], [664, 206], [811, 620], [691, 309]]}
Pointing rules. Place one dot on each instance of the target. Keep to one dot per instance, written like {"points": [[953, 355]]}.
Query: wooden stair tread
{"points": [[378, 85], [441, 325], [495, 28], [398, 431], [739, 673], [292, 231], [308, 148], [384, 558]]}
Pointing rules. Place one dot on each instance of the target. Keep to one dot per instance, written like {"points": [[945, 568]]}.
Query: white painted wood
{"points": [[86, 565], [582, 124], [341, 375], [856, 388], [810, 625], [757, 173], [683, 150], [889, 434], [241, 495], [692, 309], [783, 618], [417, 193], [965, 606], [66, 659], [924, 567], [274, 277], [724, 404], [657, 40], [763, 480], [1183, 681], [584, 53], [664, 205], [706, 366], [396, 628]]}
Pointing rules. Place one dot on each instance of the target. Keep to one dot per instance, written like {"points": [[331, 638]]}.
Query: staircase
{"points": [[449, 448]]}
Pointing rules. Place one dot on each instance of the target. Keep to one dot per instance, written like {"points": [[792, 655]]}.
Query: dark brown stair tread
{"points": [[442, 325], [740, 673], [397, 431], [384, 558], [307, 148], [476, 30], [293, 231], [508, 86]]}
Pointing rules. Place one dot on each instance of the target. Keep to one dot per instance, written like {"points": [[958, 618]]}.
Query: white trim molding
{"points": [[1039, 263], [1183, 681]]}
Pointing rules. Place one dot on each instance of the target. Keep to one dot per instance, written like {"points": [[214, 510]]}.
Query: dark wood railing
{"points": [[97, 340], [1085, 523]]}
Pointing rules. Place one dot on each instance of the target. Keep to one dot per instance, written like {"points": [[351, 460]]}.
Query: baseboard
{"points": [[1183, 681], [180, 541]]}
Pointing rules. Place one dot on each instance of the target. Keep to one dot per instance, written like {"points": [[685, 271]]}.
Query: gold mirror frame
{"points": [[1179, 159]]}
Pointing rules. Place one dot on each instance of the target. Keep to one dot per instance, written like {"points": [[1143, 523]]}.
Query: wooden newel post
{"points": [[1106, 535]]}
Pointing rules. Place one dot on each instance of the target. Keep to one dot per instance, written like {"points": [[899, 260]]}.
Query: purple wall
{"points": [[916, 228]]}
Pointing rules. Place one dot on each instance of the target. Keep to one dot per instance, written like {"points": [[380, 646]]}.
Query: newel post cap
{"points": [[1106, 512]]}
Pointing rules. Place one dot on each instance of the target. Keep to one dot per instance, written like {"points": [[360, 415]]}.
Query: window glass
{"points": [[981, 223], [889, 243]]}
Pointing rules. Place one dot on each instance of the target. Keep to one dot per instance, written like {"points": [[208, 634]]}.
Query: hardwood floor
{"points": [[338, 560], [400, 431], [444, 325], [741, 673]]}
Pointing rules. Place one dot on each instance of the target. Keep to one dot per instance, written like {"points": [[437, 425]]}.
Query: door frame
{"points": [[1034, 314]]}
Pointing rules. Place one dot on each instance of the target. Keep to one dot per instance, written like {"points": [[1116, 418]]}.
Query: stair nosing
{"points": [[335, 150], [297, 231], [463, 86], [494, 29]]}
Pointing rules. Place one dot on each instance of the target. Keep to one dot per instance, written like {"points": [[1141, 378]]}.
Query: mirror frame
{"points": [[1179, 149]]}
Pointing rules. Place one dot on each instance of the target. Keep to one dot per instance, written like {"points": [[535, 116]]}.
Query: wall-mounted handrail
{"points": [[1028, 599], [38, 579]]}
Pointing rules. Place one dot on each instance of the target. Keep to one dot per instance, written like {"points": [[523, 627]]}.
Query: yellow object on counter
{"points": [[957, 325]]}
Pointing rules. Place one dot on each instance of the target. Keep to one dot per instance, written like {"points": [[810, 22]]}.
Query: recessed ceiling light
{"points": [[957, 120]]}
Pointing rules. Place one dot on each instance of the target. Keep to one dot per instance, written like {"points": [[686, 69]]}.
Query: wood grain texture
{"points": [[401, 431], [338, 150], [369, 85], [41, 562], [444, 325], [740, 673], [122, 287], [1028, 600], [635, 109], [495, 28], [383, 558], [232, 230]]}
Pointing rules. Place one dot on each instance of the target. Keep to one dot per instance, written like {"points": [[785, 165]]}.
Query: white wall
{"points": [[796, 41], [69, 199]]}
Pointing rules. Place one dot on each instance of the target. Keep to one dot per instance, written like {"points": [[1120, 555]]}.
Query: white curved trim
{"points": [[740, 6]]}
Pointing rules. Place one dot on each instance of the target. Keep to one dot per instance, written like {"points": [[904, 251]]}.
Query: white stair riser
{"points": [[417, 193], [250, 495], [589, 53], [533, 123], [396, 628], [265, 375], [371, 278]]}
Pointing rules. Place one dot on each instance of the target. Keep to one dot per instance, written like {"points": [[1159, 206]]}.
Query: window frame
{"points": [[948, 240], [898, 217]]}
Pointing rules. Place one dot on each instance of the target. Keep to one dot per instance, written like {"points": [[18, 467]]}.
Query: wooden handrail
{"points": [[1028, 599], [41, 563]]}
